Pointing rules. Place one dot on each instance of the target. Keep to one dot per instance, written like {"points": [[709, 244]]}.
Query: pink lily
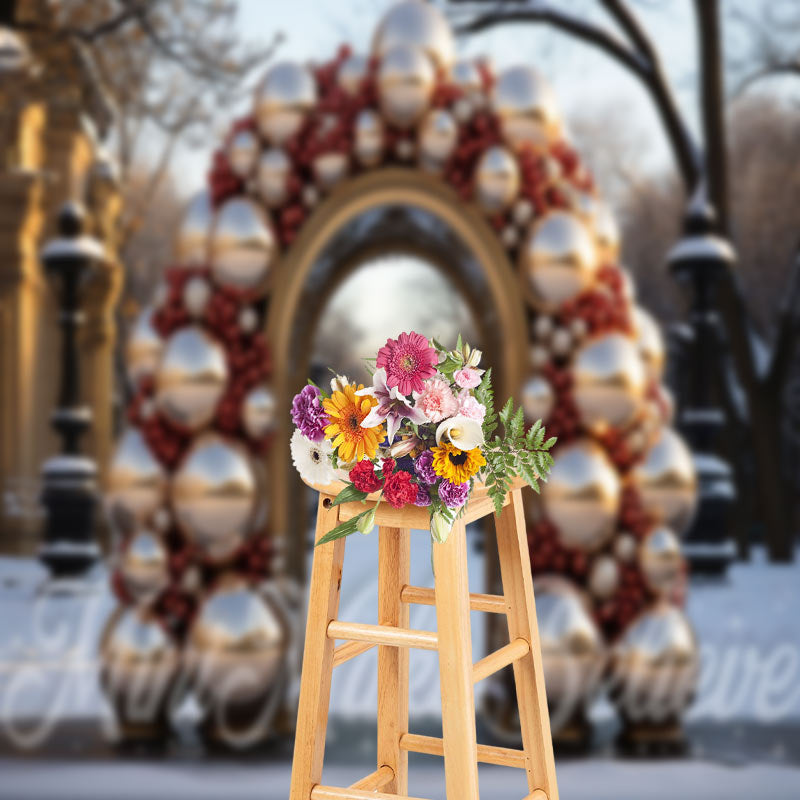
{"points": [[392, 407]]}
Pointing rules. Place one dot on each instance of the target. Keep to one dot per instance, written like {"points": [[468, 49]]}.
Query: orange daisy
{"points": [[346, 412]]}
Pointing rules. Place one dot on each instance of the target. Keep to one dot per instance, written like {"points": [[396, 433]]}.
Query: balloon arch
{"points": [[406, 149]]}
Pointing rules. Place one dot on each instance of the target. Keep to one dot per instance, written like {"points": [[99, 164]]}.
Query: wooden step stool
{"points": [[453, 641]]}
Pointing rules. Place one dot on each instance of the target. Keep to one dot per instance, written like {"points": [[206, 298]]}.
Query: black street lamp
{"points": [[70, 495], [698, 261]]}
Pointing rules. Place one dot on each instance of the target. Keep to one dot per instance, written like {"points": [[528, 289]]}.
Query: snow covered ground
{"points": [[744, 727]]}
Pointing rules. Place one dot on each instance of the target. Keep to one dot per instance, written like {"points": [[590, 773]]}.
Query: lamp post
{"points": [[697, 261], [69, 479]]}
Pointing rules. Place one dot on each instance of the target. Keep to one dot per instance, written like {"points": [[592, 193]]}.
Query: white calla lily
{"points": [[462, 432]]}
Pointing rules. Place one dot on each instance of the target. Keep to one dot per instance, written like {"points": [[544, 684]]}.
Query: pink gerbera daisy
{"points": [[408, 361]]}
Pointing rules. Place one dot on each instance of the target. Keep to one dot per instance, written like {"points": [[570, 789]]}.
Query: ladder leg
{"points": [[393, 574], [455, 666], [315, 683], [534, 718]]}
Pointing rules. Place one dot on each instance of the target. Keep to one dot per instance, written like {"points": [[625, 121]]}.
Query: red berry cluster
{"points": [[548, 554], [603, 308], [176, 608], [563, 421], [618, 449], [474, 137], [632, 515], [255, 557], [630, 599]]}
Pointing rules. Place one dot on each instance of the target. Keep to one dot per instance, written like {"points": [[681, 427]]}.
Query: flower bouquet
{"points": [[422, 434]]}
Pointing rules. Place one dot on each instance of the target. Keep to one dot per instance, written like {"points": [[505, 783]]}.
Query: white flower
{"points": [[461, 431], [338, 383], [312, 459]]}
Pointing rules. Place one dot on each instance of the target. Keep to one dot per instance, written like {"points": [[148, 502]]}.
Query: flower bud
{"points": [[440, 528], [366, 522]]}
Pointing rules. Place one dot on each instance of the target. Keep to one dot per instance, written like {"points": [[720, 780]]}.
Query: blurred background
{"points": [[205, 202]]}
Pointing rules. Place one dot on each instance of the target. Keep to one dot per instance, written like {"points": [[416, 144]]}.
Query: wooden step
{"points": [[375, 781], [537, 794], [382, 634], [487, 754], [344, 652], [492, 603], [506, 655], [335, 793]]}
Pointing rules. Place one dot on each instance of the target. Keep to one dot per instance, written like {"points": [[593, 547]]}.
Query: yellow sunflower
{"points": [[457, 466], [346, 412]]}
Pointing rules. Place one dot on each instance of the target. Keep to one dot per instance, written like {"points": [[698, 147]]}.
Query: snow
{"points": [[747, 711], [586, 780]]}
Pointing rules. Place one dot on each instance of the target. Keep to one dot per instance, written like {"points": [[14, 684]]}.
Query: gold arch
{"points": [[383, 187]]}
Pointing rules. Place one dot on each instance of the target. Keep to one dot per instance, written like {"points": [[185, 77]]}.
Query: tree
{"points": [[707, 171]]}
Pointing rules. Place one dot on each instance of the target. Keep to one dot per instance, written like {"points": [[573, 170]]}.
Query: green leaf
{"points": [[343, 529], [517, 423], [348, 495], [550, 442], [506, 412]]}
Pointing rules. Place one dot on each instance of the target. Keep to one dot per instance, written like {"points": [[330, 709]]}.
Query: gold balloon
{"points": [[414, 23], [608, 380], [661, 560], [140, 665], [368, 144], [666, 481], [467, 76], [352, 73], [606, 233], [214, 495], [329, 169], [405, 84], [191, 378], [144, 565], [272, 177], [650, 342], [573, 651], [438, 134], [582, 495], [655, 666], [537, 398], [526, 106], [283, 99], [243, 245], [192, 241], [235, 656], [136, 482], [497, 179], [258, 411], [143, 348], [603, 576], [242, 151], [559, 259]]}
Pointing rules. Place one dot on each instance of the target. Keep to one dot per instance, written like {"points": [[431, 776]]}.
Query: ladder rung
{"points": [[506, 655], [487, 754], [493, 603], [382, 634], [335, 793], [537, 794], [375, 780], [344, 652]]}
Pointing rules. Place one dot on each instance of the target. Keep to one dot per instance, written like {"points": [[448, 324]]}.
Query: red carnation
{"points": [[387, 468], [364, 478], [400, 490]]}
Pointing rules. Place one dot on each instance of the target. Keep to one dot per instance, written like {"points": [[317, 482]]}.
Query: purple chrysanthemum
{"points": [[453, 495], [308, 414], [423, 498], [423, 466]]}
